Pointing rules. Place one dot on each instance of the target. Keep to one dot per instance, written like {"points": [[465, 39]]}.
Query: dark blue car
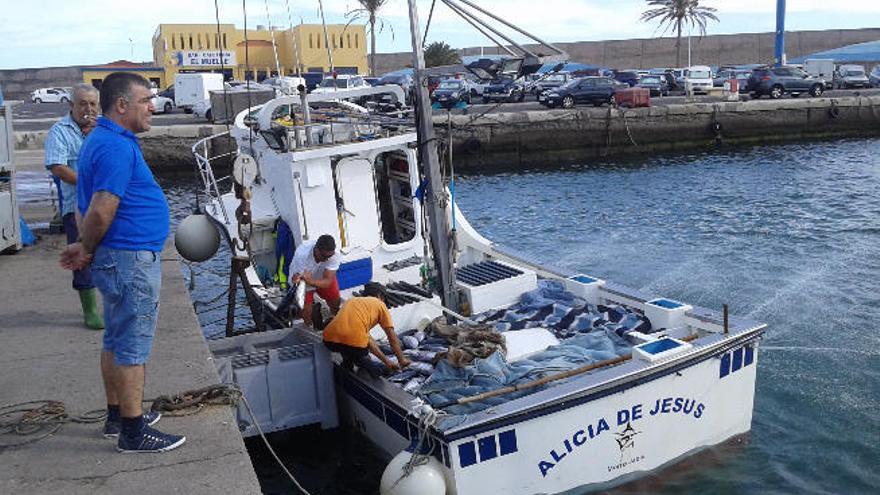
{"points": [[504, 89], [591, 90], [630, 78]]}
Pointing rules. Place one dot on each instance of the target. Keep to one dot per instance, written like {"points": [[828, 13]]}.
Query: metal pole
{"points": [[779, 54], [726, 314], [437, 220]]}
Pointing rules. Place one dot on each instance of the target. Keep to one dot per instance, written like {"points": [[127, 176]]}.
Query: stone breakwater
{"points": [[552, 137], [574, 136]]}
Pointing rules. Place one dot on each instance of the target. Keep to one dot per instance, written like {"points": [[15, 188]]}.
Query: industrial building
{"points": [[252, 54]]}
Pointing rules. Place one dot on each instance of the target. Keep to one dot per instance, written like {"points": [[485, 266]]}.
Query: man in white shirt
{"points": [[315, 263]]}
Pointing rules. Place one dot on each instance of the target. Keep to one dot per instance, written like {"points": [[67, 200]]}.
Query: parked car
{"points": [[161, 104], [698, 79], [550, 82], [285, 85], [504, 89], [313, 79], [451, 91], [776, 81], [342, 81], [851, 76], [405, 81], [50, 95], [724, 75], [874, 77], [168, 92], [592, 90], [656, 83], [631, 78]]}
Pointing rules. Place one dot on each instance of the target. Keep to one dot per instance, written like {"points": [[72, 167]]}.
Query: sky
{"points": [[51, 33]]}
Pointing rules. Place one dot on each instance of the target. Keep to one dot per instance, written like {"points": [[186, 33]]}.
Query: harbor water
{"points": [[788, 235]]}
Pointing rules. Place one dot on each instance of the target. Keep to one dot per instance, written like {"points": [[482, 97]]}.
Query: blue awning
{"points": [[860, 52]]}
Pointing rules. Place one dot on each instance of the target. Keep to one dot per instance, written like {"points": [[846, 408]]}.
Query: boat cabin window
{"points": [[395, 195]]}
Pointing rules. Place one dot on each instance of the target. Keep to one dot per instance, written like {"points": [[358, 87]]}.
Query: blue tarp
{"points": [[587, 334], [568, 67], [860, 52]]}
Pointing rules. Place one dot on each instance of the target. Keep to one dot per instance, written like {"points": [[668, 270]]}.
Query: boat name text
{"points": [[666, 405]]}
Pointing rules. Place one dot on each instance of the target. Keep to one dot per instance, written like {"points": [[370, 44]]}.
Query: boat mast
{"points": [[437, 220]]}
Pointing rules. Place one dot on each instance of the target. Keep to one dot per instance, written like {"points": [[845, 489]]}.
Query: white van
{"points": [[191, 89], [698, 79]]}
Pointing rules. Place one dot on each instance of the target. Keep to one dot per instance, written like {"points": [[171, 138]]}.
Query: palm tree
{"points": [[439, 53], [368, 10], [675, 14]]}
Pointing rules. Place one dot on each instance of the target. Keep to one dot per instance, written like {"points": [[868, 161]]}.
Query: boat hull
{"points": [[594, 443]]}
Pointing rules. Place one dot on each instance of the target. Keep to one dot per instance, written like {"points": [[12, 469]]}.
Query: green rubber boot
{"points": [[89, 301]]}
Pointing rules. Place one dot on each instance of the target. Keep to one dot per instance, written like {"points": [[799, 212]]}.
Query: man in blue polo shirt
{"points": [[124, 226], [63, 142]]}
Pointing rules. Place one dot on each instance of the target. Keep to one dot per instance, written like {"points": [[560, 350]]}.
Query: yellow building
{"points": [[198, 48], [95, 74]]}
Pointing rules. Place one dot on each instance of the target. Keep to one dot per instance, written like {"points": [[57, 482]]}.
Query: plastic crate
{"points": [[354, 273], [286, 376]]}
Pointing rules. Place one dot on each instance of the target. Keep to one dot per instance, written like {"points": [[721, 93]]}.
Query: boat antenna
{"points": [[272, 33], [435, 199], [295, 41], [327, 40]]}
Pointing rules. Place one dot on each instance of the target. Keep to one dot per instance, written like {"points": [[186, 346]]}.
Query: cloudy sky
{"points": [[48, 33]]}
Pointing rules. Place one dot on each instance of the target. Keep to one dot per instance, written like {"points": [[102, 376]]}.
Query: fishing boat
{"points": [[576, 383]]}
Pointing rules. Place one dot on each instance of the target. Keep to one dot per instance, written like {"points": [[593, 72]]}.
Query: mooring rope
{"points": [[38, 419]]}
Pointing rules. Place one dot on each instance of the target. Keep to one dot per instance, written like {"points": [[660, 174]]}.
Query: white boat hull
{"points": [[598, 443]]}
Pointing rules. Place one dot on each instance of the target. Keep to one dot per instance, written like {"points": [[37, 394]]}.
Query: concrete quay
{"points": [[47, 353], [513, 140]]}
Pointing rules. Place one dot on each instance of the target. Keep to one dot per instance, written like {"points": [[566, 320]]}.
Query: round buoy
{"points": [[425, 479], [196, 238]]}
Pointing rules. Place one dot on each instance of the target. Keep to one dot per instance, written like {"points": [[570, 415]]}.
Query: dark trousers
{"points": [[82, 279], [355, 356]]}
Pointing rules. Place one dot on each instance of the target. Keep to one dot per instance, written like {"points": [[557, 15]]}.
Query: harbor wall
{"points": [[552, 137], [744, 48], [548, 137]]}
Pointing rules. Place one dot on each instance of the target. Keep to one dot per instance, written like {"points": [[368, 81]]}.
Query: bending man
{"points": [[125, 223], [315, 263], [349, 332], [62, 149]]}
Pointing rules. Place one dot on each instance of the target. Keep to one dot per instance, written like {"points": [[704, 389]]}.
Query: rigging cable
{"points": [[428, 24], [272, 33], [221, 47], [327, 41], [295, 40]]}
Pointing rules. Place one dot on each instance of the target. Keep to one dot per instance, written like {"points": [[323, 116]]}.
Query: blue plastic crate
{"points": [[354, 273]]}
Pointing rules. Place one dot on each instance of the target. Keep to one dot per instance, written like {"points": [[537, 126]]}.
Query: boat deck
{"points": [[48, 354]]}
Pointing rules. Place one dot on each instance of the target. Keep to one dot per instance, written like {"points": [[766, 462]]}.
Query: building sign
{"points": [[206, 58]]}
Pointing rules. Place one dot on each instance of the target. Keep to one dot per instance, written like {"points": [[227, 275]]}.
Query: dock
{"points": [[47, 354]]}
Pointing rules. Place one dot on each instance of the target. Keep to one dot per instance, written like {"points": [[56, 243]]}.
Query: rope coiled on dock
{"points": [[35, 420], [193, 401]]}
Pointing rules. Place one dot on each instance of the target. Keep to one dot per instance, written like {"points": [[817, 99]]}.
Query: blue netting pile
{"points": [[587, 333]]}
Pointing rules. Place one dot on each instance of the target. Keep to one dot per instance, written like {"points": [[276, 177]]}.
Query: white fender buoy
{"points": [[196, 238], [425, 479]]}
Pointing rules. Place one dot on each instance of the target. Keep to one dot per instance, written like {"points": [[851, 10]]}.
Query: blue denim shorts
{"points": [[129, 282]]}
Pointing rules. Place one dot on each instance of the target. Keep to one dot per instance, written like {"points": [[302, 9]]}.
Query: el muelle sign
{"points": [[205, 58]]}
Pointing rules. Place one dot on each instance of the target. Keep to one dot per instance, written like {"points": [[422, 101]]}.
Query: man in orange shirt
{"points": [[349, 332]]}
